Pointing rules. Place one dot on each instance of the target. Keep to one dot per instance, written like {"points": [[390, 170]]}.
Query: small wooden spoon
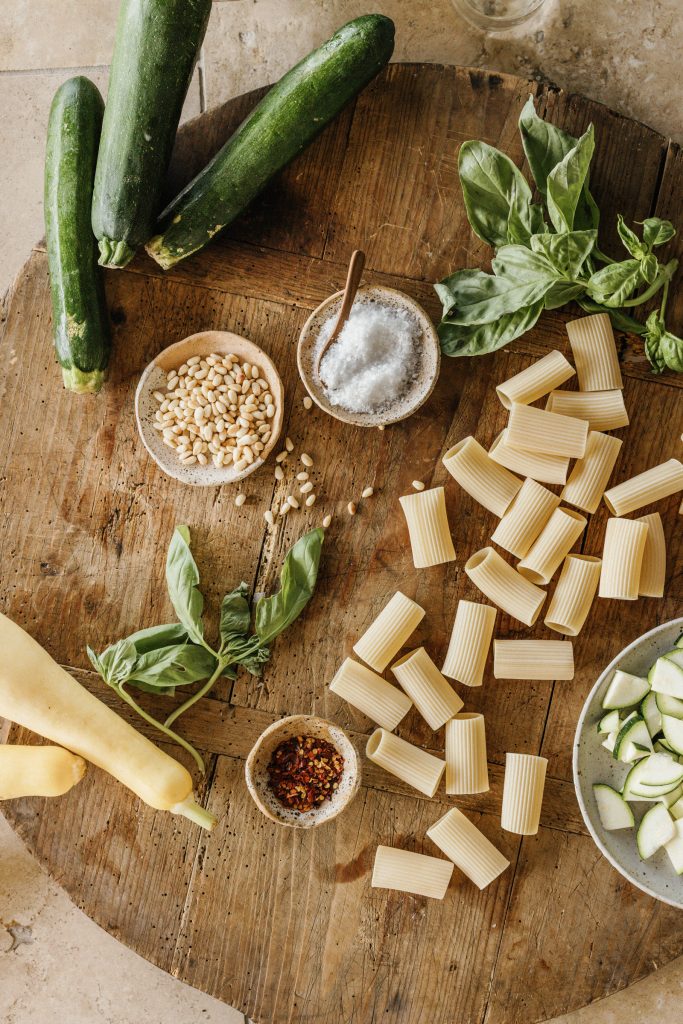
{"points": [[350, 288]]}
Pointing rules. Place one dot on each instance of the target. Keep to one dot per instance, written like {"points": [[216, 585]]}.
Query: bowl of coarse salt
{"points": [[383, 365]]}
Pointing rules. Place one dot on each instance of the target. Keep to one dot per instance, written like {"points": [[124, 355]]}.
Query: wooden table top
{"points": [[282, 923]]}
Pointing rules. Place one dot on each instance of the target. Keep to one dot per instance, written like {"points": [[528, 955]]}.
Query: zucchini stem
{"points": [[189, 808]]}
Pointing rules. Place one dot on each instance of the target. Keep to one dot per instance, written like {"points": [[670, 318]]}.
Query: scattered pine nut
{"points": [[326, 521], [302, 476], [351, 508], [308, 402], [269, 517], [307, 460], [279, 473], [282, 456], [368, 492], [381, 426], [305, 488], [284, 508], [240, 500], [310, 500], [289, 444], [292, 502], [418, 485]]}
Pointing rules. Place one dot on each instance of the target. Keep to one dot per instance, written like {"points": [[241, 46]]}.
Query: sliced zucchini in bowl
{"points": [[633, 740], [651, 713], [674, 847], [613, 810], [669, 705], [610, 722], [666, 676], [673, 732], [655, 830], [624, 691]]}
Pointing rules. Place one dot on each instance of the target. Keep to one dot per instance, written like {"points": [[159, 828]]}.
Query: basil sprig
{"points": [[162, 658], [547, 255]]}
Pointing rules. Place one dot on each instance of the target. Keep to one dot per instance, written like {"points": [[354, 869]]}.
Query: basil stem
{"points": [[161, 726], [201, 692]]}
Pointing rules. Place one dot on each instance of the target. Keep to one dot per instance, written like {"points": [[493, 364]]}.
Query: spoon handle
{"points": [[353, 277]]}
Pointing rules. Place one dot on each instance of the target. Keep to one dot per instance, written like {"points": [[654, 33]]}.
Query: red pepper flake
{"points": [[304, 771]]}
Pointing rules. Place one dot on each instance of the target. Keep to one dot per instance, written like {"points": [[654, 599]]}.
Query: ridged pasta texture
{"points": [[485, 480], [652, 485], [468, 848], [469, 644], [653, 569], [525, 519], [538, 430], [533, 659], [466, 764], [387, 634], [504, 586], [574, 594], [406, 871], [604, 410], [595, 353], [414, 766], [432, 695], [430, 535], [561, 531], [375, 697], [523, 793], [622, 558], [590, 475], [547, 469], [536, 380]]}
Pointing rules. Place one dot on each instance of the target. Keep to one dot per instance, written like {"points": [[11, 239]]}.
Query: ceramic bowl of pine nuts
{"points": [[209, 408]]}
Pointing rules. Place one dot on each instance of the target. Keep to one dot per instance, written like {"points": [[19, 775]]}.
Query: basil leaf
{"points": [[524, 220], [523, 265], [176, 665], [478, 340], [657, 231], [461, 282], [158, 636], [562, 293], [615, 283], [567, 251], [671, 350], [630, 239], [490, 182], [545, 146], [235, 614], [182, 580], [649, 268], [297, 582], [116, 662], [654, 331], [620, 321], [567, 180]]}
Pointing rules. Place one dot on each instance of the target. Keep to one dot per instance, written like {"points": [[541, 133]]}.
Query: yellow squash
{"points": [[37, 693], [38, 771]]}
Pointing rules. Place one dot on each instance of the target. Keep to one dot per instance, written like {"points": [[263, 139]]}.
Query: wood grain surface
{"points": [[278, 922]]}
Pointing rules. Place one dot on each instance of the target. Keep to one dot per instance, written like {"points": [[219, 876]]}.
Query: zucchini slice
{"points": [[673, 732], [669, 799], [651, 713], [613, 810], [667, 677], [655, 830], [668, 705], [674, 848], [609, 722], [676, 810], [624, 691], [633, 740], [652, 777]]}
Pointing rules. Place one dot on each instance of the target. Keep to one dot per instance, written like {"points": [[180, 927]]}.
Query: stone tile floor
{"points": [[55, 964]]}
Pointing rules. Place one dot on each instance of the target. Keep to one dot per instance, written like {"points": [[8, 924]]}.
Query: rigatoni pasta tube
{"points": [[561, 531], [653, 569], [430, 536], [406, 871], [466, 766], [469, 643], [432, 695], [523, 793], [526, 517], [595, 353], [604, 410], [411, 764], [375, 697], [622, 559], [574, 594], [485, 480], [533, 659], [468, 848], [504, 586], [547, 469], [387, 634], [652, 485], [538, 430], [537, 380], [590, 475]]}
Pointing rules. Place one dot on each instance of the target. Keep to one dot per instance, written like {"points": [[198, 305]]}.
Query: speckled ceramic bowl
{"points": [[256, 770], [592, 763], [427, 372], [154, 379]]}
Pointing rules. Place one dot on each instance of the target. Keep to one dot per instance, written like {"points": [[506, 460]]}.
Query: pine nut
{"points": [[194, 361], [418, 485], [284, 509], [327, 520], [308, 402], [307, 460], [240, 500], [310, 500], [367, 492], [202, 459], [279, 473], [241, 464], [289, 444], [270, 411], [302, 476], [292, 502], [269, 517], [351, 508], [158, 395], [305, 488], [281, 457]]}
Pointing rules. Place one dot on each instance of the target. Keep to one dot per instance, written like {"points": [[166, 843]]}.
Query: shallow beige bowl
{"points": [[256, 770], [428, 365], [154, 379]]}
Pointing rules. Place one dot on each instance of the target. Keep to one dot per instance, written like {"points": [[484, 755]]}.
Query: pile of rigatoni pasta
{"points": [[539, 531]]}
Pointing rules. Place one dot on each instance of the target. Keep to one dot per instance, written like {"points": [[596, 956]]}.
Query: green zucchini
{"points": [[285, 121], [79, 313], [156, 48]]}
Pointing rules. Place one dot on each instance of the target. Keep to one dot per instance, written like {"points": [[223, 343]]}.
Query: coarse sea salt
{"points": [[373, 361]]}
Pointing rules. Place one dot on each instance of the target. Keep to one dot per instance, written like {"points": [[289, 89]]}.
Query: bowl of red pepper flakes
{"points": [[303, 771]]}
